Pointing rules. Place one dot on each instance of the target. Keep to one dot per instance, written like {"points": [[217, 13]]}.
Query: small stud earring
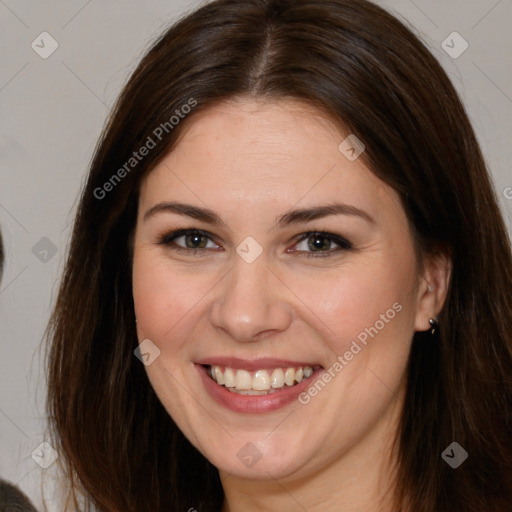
{"points": [[434, 324]]}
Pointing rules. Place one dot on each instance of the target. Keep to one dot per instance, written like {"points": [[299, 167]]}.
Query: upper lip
{"points": [[254, 364]]}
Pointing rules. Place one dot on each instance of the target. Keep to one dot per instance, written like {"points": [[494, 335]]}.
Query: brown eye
{"points": [[321, 244], [195, 241], [188, 240]]}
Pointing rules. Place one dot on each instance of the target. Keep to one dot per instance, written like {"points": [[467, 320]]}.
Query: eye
{"points": [[312, 244], [320, 244], [188, 240]]}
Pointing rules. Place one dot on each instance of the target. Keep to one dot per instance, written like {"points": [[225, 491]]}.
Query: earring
{"points": [[434, 324]]}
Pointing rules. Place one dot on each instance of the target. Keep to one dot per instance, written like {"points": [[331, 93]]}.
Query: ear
{"points": [[432, 288]]}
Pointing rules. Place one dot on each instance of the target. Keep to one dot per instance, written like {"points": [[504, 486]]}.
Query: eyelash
{"points": [[344, 244]]}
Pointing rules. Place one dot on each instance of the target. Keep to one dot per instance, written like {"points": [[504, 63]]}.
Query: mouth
{"points": [[256, 386], [263, 381]]}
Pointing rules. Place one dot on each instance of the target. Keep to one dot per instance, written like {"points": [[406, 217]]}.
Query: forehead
{"points": [[273, 131], [263, 155]]}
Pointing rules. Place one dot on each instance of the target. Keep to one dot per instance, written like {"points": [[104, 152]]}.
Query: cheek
{"points": [[162, 297], [359, 299], [164, 302]]}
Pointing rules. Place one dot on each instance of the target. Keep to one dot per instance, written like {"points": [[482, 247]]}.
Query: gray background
{"points": [[51, 114]]}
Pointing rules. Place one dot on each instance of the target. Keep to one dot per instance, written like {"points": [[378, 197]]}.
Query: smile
{"points": [[257, 386], [259, 382]]}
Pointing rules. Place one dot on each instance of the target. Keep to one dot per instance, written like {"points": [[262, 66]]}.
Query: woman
{"points": [[289, 221]]}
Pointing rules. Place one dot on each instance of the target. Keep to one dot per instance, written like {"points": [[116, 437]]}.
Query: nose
{"points": [[251, 302]]}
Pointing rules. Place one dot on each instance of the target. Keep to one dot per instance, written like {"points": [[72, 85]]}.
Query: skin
{"points": [[251, 162]]}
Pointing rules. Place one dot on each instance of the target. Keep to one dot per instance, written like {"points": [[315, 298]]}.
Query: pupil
{"points": [[195, 241], [319, 242]]}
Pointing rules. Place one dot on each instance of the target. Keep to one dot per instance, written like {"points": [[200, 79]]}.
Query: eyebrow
{"points": [[290, 218]]}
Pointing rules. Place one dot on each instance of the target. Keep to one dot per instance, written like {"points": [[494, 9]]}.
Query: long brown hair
{"points": [[366, 70]]}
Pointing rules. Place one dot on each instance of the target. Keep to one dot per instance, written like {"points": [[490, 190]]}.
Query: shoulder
{"points": [[12, 499]]}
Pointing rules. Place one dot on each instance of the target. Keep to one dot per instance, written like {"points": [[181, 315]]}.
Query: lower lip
{"points": [[254, 403]]}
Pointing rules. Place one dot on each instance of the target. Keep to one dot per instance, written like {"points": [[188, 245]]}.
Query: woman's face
{"points": [[301, 264]]}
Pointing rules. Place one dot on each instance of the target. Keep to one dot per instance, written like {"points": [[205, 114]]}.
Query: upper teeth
{"points": [[260, 380]]}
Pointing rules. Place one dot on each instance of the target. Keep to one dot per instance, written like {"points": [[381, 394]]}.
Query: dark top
{"points": [[13, 500]]}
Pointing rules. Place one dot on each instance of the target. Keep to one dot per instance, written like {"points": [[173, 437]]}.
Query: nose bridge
{"points": [[250, 301]]}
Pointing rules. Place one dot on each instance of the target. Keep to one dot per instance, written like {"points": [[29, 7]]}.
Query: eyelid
{"points": [[342, 242], [168, 238]]}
